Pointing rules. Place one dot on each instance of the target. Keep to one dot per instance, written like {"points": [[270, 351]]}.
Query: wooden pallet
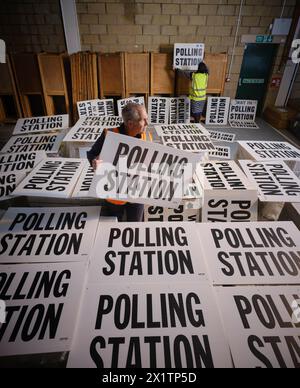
{"points": [[217, 65], [29, 84], [111, 75], [162, 74], [10, 107], [54, 84]]}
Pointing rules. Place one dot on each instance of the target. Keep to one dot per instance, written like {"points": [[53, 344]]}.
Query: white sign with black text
{"points": [[89, 129], [221, 136], [217, 110], [185, 137], [180, 110], [23, 162], [30, 235], [227, 193], [262, 325], [96, 108], [255, 253], [275, 181], [151, 326], [41, 124], [122, 103], [48, 142], [270, 150], [83, 185], [220, 152], [42, 303], [53, 177], [159, 110], [147, 253], [9, 182], [187, 56], [243, 113], [142, 172]]}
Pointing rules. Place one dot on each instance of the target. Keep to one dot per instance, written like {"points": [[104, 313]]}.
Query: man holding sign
{"points": [[135, 122]]}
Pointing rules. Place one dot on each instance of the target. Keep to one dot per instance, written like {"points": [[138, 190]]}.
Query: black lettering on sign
{"points": [[225, 211], [190, 352], [40, 322]]}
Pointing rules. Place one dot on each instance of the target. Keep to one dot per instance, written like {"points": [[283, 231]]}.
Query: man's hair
{"points": [[131, 111]]}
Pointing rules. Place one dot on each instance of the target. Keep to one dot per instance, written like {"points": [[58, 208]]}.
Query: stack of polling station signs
{"points": [[86, 132], [186, 137], [269, 151], [13, 169], [260, 313], [96, 108], [37, 134], [188, 211], [227, 193], [147, 295], [43, 261], [168, 110], [33, 138]]}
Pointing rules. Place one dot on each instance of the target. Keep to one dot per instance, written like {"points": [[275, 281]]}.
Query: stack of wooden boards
{"points": [[43, 84]]}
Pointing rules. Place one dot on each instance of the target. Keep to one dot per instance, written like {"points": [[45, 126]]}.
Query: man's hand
{"points": [[95, 163]]}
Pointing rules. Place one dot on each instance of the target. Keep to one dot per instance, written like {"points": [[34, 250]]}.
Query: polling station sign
{"points": [[9, 182], [142, 172], [220, 152], [53, 177], [262, 325], [221, 136], [227, 193], [123, 102], [275, 181], [147, 253], [20, 162], [42, 124], [181, 214], [180, 110], [89, 129], [151, 326], [96, 108], [48, 142], [185, 137], [188, 210], [42, 302], [242, 111], [256, 253], [159, 110], [269, 150], [48, 235], [188, 56], [217, 110], [177, 129], [83, 185]]}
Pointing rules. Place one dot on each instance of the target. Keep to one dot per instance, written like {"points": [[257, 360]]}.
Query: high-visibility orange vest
{"points": [[114, 201]]}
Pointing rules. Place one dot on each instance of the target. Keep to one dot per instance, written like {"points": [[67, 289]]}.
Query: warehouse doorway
{"points": [[255, 72]]}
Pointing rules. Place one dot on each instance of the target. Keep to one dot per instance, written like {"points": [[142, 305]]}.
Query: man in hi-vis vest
{"points": [[135, 120], [198, 91]]}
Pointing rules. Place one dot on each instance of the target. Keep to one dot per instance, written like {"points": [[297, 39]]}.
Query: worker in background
{"points": [[135, 120], [198, 89]]}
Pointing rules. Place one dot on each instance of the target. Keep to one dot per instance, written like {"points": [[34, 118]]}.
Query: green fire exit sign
{"points": [[264, 39]]}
